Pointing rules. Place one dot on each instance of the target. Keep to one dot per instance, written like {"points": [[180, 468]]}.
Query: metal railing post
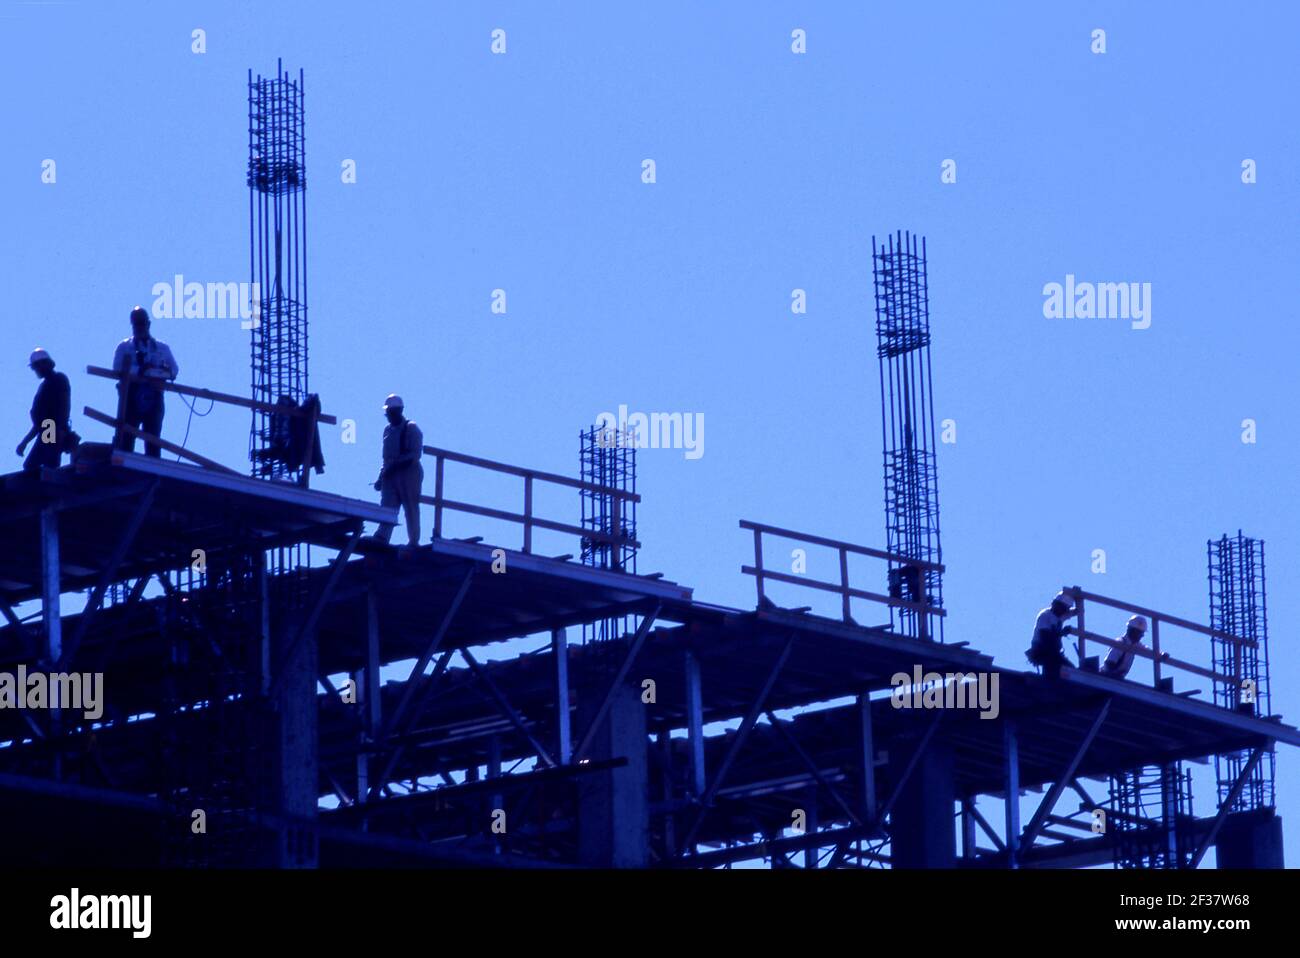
{"points": [[528, 513], [844, 580], [437, 494]]}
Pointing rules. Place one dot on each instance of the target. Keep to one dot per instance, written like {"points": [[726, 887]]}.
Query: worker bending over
{"points": [[142, 355], [1119, 661], [401, 475], [1045, 650], [50, 411]]}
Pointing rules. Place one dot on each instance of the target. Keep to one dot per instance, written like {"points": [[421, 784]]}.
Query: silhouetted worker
{"points": [[402, 475], [142, 355], [1045, 650], [50, 411], [1119, 661]]}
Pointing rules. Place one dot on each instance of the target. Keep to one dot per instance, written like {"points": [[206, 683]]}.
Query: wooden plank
{"points": [[209, 394], [181, 451]]}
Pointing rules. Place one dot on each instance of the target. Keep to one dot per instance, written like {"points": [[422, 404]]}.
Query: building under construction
{"points": [[278, 690]]}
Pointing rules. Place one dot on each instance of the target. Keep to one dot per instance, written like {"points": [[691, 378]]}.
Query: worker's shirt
{"points": [[145, 357], [53, 401], [1050, 626], [403, 442], [1119, 661]]}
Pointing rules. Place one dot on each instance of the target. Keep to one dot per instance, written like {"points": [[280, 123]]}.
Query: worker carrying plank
{"points": [[401, 475], [50, 411], [141, 404], [1119, 661], [1045, 649]]}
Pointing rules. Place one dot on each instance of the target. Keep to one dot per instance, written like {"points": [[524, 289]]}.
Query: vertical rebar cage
{"points": [[607, 457], [1239, 606], [277, 211], [1151, 817], [907, 420]]}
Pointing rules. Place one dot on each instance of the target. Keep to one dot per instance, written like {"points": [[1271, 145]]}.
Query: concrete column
{"points": [[614, 809], [924, 825], [292, 737], [1250, 840]]}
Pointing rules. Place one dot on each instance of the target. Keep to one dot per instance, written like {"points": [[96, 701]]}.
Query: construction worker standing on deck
{"points": [[142, 355], [1045, 650], [50, 411], [1119, 661], [402, 475]]}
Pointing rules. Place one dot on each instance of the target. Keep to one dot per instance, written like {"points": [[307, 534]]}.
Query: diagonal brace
{"points": [[1228, 801], [897, 792], [809, 764], [742, 734], [1049, 800], [507, 709], [423, 662], [120, 550], [322, 599], [638, 640]]}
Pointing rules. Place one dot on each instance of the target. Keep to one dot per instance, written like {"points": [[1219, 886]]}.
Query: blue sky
{"points": [[522, 172]]}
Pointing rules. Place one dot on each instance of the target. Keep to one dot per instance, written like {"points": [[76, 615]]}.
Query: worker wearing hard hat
{"points": [[1045, 650], [1119, 661], [142, 355], [402, 475], [50, 411]]}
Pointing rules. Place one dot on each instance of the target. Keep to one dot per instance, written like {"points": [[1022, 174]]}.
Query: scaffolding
{"points": [[907, 416], [1153, 822], [1239, 606], [213, 645], [607, 461], [277, 210]]}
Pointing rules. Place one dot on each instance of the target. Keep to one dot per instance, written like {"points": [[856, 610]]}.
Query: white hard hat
{"points": [[393, 401], [1139, 623], [1064, 598], [37, 355]]}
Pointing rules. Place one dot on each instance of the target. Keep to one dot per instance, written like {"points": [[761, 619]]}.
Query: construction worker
{"points": [[1045, 650], [1119, 661], [142, 355], [50, 411], [401, 475]]}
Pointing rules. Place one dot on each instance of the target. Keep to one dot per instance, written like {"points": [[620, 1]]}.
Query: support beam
{"points": [[563, 728], [430, 682], [742, 734], [638, 640], [368, 686], [985, 827], [106, 575], [317, 607], [506, 709], [1049, 800], [868, 757], [917, 753], [797, 750], [1011, 754], [1233, 794], [422, 662], [695, 724], [50, 585], [969, 841]]}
